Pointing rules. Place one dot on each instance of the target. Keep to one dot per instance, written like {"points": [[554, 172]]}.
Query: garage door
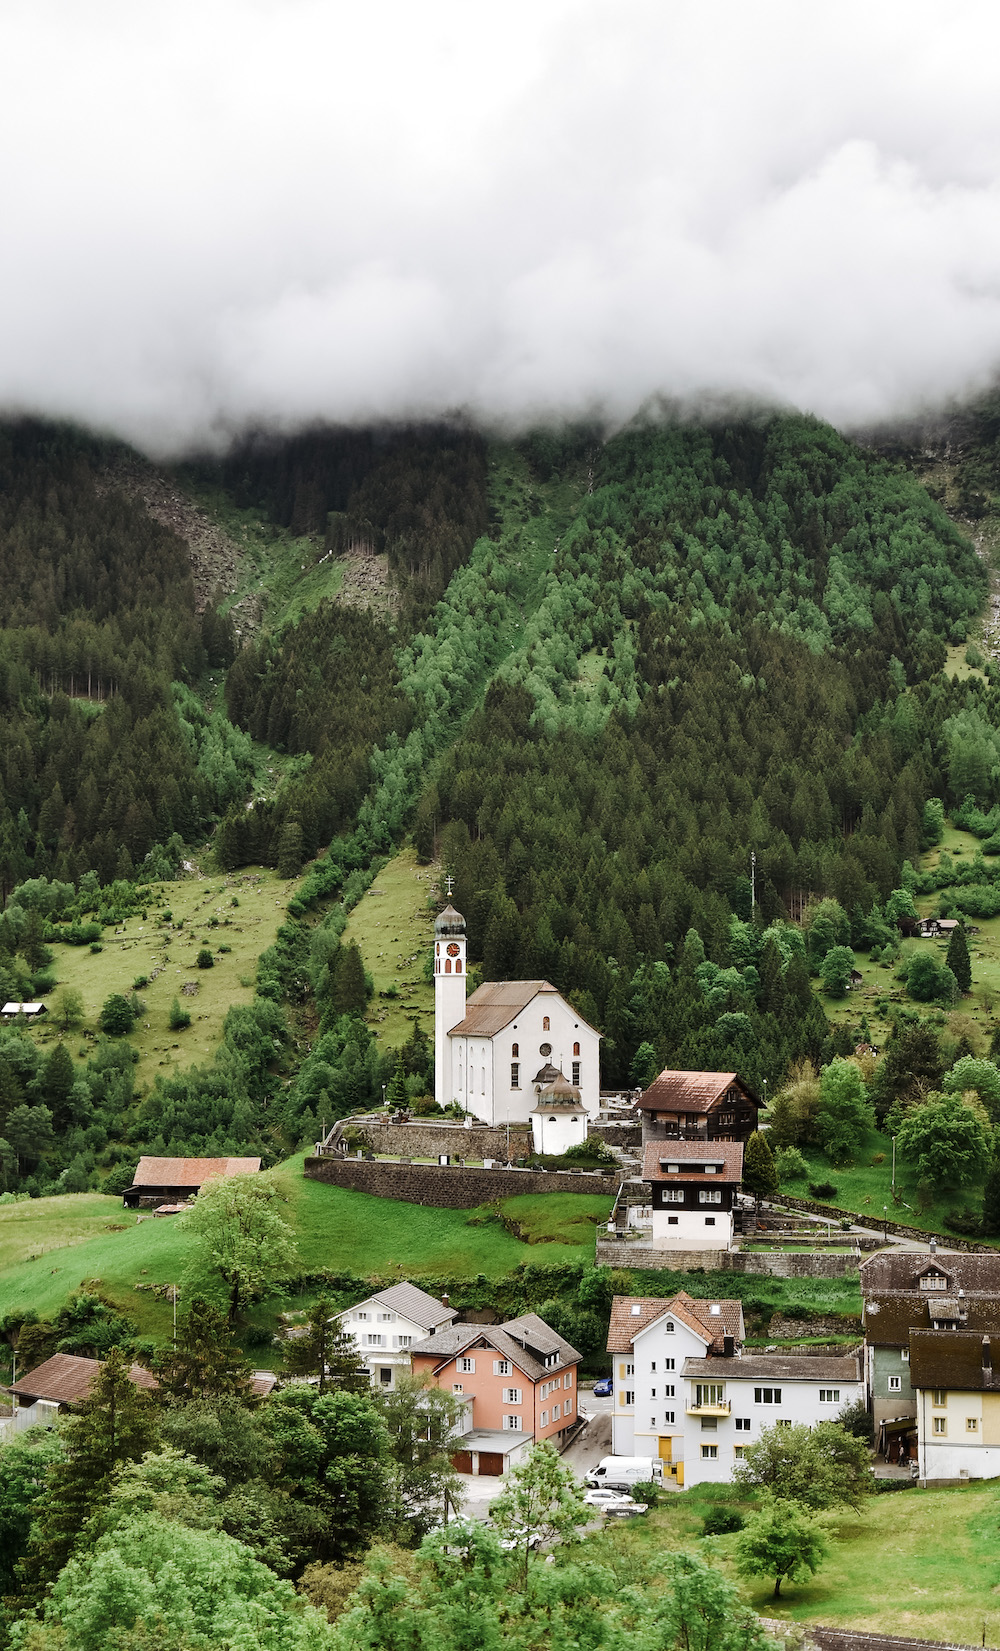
{"points": [[462, 1461], [490, 1461]]}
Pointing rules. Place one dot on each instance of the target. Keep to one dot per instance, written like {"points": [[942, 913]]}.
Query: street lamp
{"points": [[383, 1094], [894, 1169], [885, 1223]]}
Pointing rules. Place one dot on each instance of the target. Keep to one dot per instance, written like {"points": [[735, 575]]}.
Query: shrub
{"points": [[117, 1016], [720, 1521], [139, 982], [96, 946], [822, 1190], [179, 1018], [205, 960], [879, 1158], [790, 1165]]}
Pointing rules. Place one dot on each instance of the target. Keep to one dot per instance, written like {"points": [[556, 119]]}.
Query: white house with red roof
{"points": [[500, 1052], [650, 1339], [694, 1185]]}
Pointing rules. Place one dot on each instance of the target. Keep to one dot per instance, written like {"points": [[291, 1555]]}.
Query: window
{"points": [[543, 1420], [933, 1281], [710, 1220], [545, 1023], [514, 1051], [738, 1452], [567, 1407], [767, 1395], [404, 1341], [710, 1424], [385, 1376], [512, 1395], [576, 1048], [972, 1424], [374, 1341], [895, 1384], [743, 1424], [668, 1416], [362, 1318], [668, 1392], [555, 1413], [673, 1221], [386, 1318], [545, 1049], [456, 1387], [710, 1393], [709, 1453], [635, 1309], [939, 1398], [652, 1421], [568, 1379], [782, 1422], [501, 1367], [672, 1195], [628, 1369], [668, 1364], [652, 1365], [575, 1078], [829, 1395], [467, 1366], [710, 1195], [904, 1353], [512, 1424], [628, 1397], [669, 1327], [940, 1424], [652, 1392], [515, 1075]]}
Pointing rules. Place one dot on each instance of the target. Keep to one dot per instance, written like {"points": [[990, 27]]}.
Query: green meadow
{"points": [[234, 916], [393, 926], [50, 1247]]}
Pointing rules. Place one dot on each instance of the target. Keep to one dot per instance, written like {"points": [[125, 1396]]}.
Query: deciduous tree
{"points": [[817, 1466], [240, 1238], [780, 1541]]}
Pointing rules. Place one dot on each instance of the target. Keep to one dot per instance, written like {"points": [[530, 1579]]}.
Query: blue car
{"points": [[604, 1388]]}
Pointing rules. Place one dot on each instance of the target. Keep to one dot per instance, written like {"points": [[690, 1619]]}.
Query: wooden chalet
{"points": [[698, 1106], [161, 1181]]}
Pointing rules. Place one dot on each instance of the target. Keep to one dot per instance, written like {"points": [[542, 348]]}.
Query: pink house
{"points": [[519, 1381]]}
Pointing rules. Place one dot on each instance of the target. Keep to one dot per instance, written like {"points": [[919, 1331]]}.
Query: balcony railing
{"points": [[719, 1408]]}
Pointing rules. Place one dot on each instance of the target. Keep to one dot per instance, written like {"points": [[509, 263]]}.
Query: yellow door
{"points": [[680, 1473], [666, 1449]]}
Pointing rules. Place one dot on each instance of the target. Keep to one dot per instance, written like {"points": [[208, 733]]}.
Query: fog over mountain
{"points": [[221, 211]]}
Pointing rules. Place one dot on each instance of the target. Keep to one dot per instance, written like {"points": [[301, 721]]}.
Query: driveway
{"points": [[590, 1444]]}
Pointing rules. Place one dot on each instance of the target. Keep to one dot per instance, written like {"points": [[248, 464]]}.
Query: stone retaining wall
{"points": [[852, 1639], [426, 1139], [448, 1187], [612, 1252]]}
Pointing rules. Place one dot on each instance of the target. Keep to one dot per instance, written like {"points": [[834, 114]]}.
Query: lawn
{"points": [[393, 925], [49, 1247], [240, 911], [864, 1188]]}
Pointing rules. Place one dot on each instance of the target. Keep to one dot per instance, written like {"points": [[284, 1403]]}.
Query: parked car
{"points": [[519, 1539], [601, 1498], [604, 1388], [625, 1508]]}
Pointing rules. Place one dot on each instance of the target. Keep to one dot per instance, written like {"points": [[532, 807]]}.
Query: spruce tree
{"points": [[115, 1423], [206, 1360], [958, 959], [324, 1350], [760, 1178], [349, 989], [991, 1200]]}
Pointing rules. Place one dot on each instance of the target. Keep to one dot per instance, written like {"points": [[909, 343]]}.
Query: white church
{"points": [[514, 1052]]}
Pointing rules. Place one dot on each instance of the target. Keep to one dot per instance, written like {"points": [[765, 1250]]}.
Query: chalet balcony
{"points": [[719, 1408]]}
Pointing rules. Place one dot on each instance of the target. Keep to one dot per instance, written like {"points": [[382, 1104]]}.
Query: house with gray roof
{"points": [[386, 1326], [957, 1390]]}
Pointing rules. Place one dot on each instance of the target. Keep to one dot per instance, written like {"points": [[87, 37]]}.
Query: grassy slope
{"points": [[922, 1563], [138, 948], [392, 925], [89, 1239]]}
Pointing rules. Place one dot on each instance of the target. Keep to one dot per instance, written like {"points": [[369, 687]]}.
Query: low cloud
{"points": [[280, 211]]}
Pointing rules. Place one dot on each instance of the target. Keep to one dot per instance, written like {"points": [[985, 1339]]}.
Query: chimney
{"points": [[445, 1301], [933, 1246], [987, 1355], [728, 1346]]}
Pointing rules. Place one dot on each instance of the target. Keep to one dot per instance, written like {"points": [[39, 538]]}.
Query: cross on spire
{"points": [[448, 882]]}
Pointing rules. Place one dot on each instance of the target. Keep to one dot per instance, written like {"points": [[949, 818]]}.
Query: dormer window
{"points": [[933, 1281], [669, 1169], [715, 1309], [636, 1309]]}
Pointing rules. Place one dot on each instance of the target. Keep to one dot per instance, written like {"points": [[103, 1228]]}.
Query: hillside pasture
{"points": [[393, 925], [203, 915]]}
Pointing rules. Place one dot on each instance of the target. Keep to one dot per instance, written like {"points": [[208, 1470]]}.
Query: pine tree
{"points": [[206, 1360], [115, 1423], [290, 851], [759, 1174], [958, 960], [991, 1200], [349, 992], [325, 1351], [396, 1093]]}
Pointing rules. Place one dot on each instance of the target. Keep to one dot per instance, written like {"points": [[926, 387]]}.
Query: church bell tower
{"points": [[449, 995]]}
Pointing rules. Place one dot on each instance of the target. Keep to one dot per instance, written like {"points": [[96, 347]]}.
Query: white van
{"points": [[622, 1472]]}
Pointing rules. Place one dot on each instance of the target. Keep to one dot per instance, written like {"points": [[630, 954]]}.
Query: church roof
{"points": [[449, 921], [495, 1005]]}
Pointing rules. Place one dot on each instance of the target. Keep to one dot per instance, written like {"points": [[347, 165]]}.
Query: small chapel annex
{"points": [[510, 1048]]}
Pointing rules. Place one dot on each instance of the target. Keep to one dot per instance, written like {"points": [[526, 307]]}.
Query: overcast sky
{"points": [[222, 211]]}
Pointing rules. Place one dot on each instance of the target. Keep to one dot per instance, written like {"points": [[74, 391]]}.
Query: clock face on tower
{"points": [[453, 949]]}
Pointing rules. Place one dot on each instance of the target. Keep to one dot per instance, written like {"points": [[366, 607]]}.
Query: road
{"points": [[593, 1442]]}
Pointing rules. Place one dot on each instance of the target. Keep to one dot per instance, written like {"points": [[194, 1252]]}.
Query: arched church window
{"points": [[545, 1023], [514, 1050], [458, 967], [447, 965], [576, 1048], [552, 1120]]}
